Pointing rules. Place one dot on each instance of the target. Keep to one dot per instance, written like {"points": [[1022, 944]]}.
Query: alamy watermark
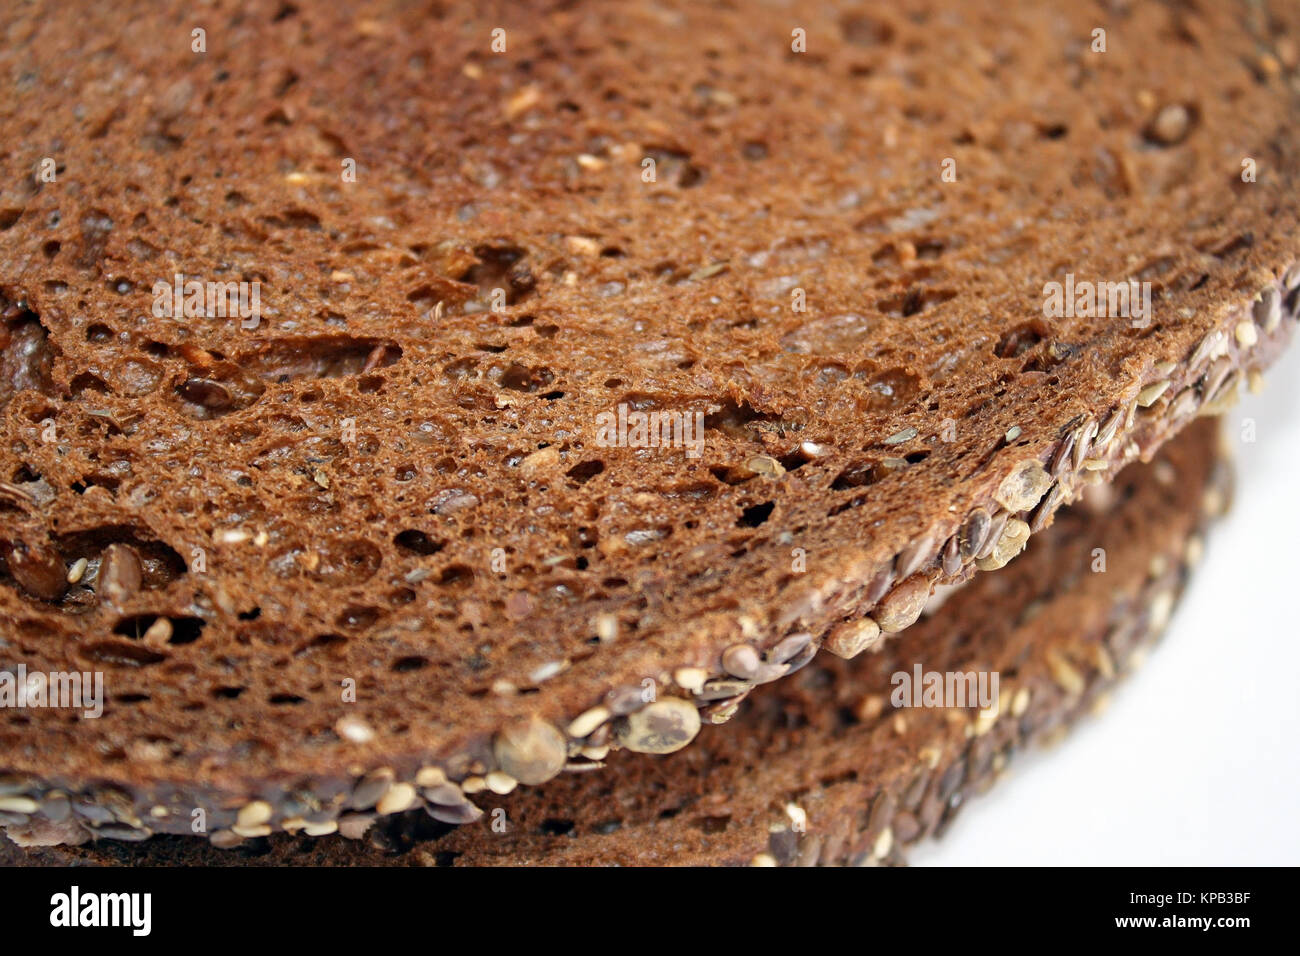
{"points": [[72, 690], [626, 428], [1085, 299], [194, 299], [923, 688]]}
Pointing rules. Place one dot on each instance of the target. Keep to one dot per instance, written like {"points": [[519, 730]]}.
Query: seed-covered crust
{"points": [[822, 768], [345, 551]]}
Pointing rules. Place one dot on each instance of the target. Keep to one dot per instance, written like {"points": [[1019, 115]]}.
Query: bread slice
{"points": [[824, 768], [377, 484]]}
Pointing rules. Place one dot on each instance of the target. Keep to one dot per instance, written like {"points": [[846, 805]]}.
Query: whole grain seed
{"points": [[587, 722], [903, 605], [763, 859], [1013, 433], [596, 753], [1245, 334], [851, 638], [321, 829], [662, 727], [1291, 278], [741, 660], [500, 782], [1024, 487], [532, 751]]}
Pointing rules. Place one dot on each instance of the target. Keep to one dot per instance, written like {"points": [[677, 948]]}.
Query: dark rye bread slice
{"points": [[822, 767], [386, 481]]}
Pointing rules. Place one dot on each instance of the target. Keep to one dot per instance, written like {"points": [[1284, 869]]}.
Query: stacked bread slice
{"points": [[586, 373]]}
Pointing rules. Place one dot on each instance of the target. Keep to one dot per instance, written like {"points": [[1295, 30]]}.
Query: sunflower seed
{"points": [[903, 605], [996, 526], [1063, 457], [1065, 675], [120, 573], [789, 648], [587, 722], [444, 794], [1291, 278], [1044, 512], [501, 783], [1106, 433], [951, 561], [1245, 334], [1024, 487], [18, 805], [1151, 393], [911, 558], [851, 638], [1267, 310], [254, 814], [723, 689], [974, 532], [532, 752], [907, 434], [399, 797], [39, 570], [663, 727], [741, 660], [324, 828], [879, 585], [457, 815], [1083, 441], [371, 788]]}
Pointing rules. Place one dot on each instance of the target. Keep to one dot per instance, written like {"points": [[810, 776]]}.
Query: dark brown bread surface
{"points": [[822, 767], [387, 482]]}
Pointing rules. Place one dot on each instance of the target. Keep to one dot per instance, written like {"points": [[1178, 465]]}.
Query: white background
{"points": [[1197, 758]]}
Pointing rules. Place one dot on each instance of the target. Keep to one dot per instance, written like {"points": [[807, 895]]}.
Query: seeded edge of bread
{"points": [[374, 560], [823, 769]]}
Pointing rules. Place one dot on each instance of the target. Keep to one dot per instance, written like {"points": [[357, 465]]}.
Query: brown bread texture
{"points": [[823, 768], [394, 478]]}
